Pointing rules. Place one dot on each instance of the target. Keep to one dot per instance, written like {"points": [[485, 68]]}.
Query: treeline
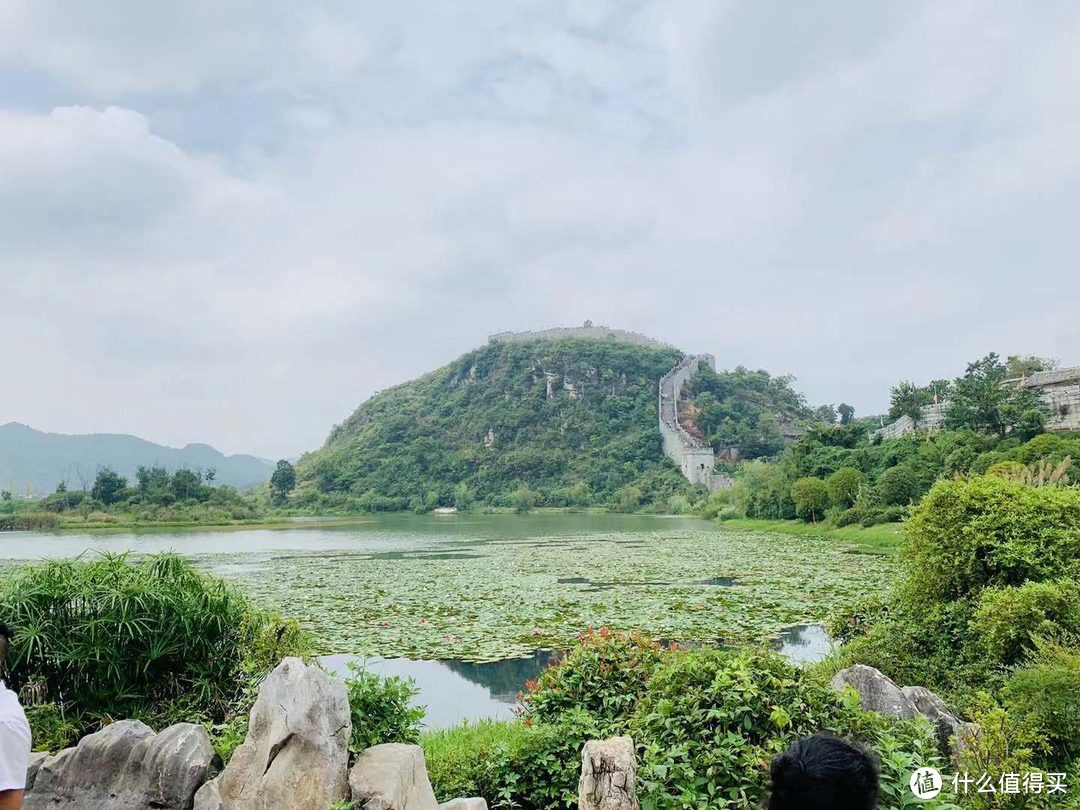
{"points": [[840, 474], [155, 495]]}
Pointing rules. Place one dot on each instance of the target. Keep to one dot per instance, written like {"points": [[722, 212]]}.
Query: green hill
{"points": [[568, 422]]}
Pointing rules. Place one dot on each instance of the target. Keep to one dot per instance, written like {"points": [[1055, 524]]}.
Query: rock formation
{"points": [[296, 752], [879, 694], [391, 777], [608, 775], [125, 766]]}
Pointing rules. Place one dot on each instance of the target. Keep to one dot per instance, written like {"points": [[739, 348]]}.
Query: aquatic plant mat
{"points": [[486, 600]]}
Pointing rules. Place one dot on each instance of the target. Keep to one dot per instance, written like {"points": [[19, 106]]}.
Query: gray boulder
{"points": [[296, 752], [465, 804], [125, 766], [608, 775], [954, 735], [36, 758], [391, 777], [877, 693]]}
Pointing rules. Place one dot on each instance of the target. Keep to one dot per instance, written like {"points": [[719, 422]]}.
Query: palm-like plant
{"points": [[116, 636]]}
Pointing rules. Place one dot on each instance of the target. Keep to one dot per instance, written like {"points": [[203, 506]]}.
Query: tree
{"points": [[5, 495], [898, 486], [185, 484], [283, 481], [845, 485], [982, 401], [826, 414], [811, 496], [1018, 365], [847, 413], [211, 474], [907, 399], [109, 486]]}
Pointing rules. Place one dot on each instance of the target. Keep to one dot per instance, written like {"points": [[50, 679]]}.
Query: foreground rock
{"points": [[465, 804], [296, 752], [879, 694], [125, 766], [392, 777], [608, 775]]}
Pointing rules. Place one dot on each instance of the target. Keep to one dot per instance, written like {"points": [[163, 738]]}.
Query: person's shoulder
{"points": [[11, 711]]}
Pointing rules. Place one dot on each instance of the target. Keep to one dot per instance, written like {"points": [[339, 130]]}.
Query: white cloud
{"points": [[401, 183]]}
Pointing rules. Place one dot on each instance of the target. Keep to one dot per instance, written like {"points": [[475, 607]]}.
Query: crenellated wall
{"points": [[694, 457]]}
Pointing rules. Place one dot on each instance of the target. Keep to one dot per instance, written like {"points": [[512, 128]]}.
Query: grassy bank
{"points": [[885, 538]]}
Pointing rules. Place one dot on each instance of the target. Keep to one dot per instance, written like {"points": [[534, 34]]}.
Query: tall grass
{"points": [[151, 638]]}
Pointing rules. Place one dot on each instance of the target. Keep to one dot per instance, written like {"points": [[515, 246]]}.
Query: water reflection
{"points": [[457, 691], [804, 643]]}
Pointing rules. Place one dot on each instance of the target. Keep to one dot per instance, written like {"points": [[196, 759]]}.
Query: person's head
{"points": [[824, 772]]}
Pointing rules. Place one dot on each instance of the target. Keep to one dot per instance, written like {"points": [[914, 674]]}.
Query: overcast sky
{"points": [[231, 221]]}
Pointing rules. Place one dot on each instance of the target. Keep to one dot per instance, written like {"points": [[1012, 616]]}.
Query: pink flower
{"points": [[537, 632]]}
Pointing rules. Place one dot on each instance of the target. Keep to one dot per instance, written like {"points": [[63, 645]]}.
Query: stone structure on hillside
{"points": [[587, 331], [694, 457], [1060, 391]]}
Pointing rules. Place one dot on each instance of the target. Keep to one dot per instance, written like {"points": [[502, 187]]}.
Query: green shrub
{"points": [[981, 532], [849, 517], [50, 727], [381, 710], [811, 497], [152, 639], [845, 485], [604, 675], [1007, 620], [898, 486], [711, 720], [1045, 693]]}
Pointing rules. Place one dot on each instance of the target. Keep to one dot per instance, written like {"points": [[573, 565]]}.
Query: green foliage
{"points": [[981, 401], [811, 497], [742, 409], [603, 676], [381, 710], [282, 481], [898, 486], [50, 727], [1045, 694], [908, 399], [845, 485], [151, 639], [989, 602], [108, 486], [487, 420]]}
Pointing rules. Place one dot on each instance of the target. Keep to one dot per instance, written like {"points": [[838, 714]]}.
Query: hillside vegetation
{"points": [[547, 423]]}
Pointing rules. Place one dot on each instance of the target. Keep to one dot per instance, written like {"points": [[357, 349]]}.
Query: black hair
{"points": [[823, 772], [5, 642]]}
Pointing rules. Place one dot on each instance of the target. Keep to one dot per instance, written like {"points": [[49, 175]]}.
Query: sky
{"points": [[231, 221]]}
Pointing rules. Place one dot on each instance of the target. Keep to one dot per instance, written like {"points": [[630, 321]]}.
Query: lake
{"points": [[463, 603]]}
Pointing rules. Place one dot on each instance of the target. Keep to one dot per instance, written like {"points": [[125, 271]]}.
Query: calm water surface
{"points": [[452, 691]]}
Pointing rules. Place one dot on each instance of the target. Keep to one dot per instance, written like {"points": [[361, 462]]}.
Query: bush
{"points": [[981, 532], [604, 676], [1008, 620], [381, 710], [898, 486], [153, 639], [1045, 694], [845, 485], [811, 497], [711, 720]]}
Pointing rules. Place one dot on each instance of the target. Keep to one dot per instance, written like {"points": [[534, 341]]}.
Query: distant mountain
{"points": [[32, 462]]}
